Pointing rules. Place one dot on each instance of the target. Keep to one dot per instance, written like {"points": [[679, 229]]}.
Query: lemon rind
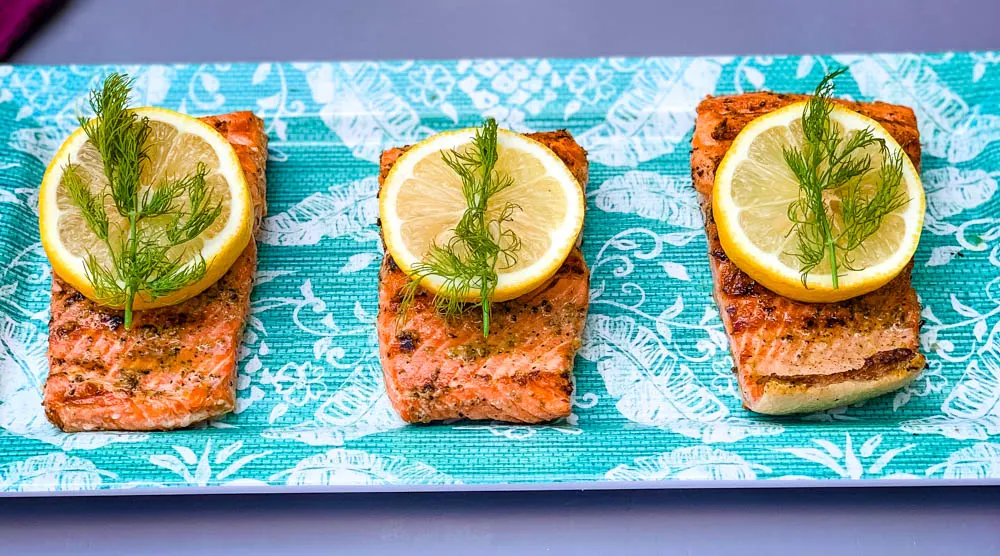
{"points": [[765, 267], [510, 285], [220, 252]]}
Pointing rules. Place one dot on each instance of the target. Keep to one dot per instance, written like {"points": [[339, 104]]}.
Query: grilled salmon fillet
{"points": [[790, 356], [522, 372], [177, 364]]}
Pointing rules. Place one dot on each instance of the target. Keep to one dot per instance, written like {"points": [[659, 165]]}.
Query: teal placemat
{"points": [[655, 397]]}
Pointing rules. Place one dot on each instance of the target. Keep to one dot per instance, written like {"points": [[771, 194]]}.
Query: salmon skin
{"points": [[177, 365], [790, 356], [439, 369]]}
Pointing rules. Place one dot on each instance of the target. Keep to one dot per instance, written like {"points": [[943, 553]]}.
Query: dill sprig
{"points": [[481, 243], [142, 251], [830, 161]]}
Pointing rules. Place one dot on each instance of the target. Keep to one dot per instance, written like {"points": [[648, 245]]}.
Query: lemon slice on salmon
{"points": [[177, 144], [421, 202], [754, 187]]}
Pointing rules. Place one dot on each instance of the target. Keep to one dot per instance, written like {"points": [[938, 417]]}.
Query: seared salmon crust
{"points": [[439, 369], [177, 365], [791, 356]]}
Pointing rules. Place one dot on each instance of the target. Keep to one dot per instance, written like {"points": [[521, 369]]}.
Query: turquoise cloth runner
{"points": [[655, 397]]}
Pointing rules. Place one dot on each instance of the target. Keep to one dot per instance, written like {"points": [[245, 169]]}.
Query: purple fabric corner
{"points": [[16, 18]]}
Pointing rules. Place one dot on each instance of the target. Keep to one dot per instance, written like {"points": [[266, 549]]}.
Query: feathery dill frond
{"points": [[143, 259], [482, 241], [829, 161]]}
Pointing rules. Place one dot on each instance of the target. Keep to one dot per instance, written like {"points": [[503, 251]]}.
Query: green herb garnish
{"points": [[154, 220], [832, 162], [482, 242]]}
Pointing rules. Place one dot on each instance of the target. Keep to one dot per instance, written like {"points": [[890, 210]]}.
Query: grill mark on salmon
{"points": [[792, 356], [439, 369], [177, 365]]}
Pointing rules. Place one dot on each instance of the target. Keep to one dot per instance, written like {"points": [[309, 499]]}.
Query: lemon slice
{"points": [[421, 202], [754, 186], [177, 144]]}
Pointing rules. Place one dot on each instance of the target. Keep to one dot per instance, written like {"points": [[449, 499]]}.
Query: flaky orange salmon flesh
{"points": [[438, 369], [177, 365], [790, 356]]}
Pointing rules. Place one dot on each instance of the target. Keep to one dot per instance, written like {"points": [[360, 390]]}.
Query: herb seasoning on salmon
{"points": [[441, 366], [793, 356], [175, 365]]}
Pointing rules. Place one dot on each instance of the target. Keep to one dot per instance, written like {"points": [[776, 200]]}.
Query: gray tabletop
{"points": [[834, 521]]}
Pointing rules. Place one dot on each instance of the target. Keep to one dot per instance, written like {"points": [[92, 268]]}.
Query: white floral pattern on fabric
{"points": [[220, 467], [354, 467], [979, 461], [509, 90], [655, 396], [701, 463], [430, 85], [846, 462], [52, 472], [298, 384], [361, 104], [591, 83], [949, 127], [654, 114]]}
